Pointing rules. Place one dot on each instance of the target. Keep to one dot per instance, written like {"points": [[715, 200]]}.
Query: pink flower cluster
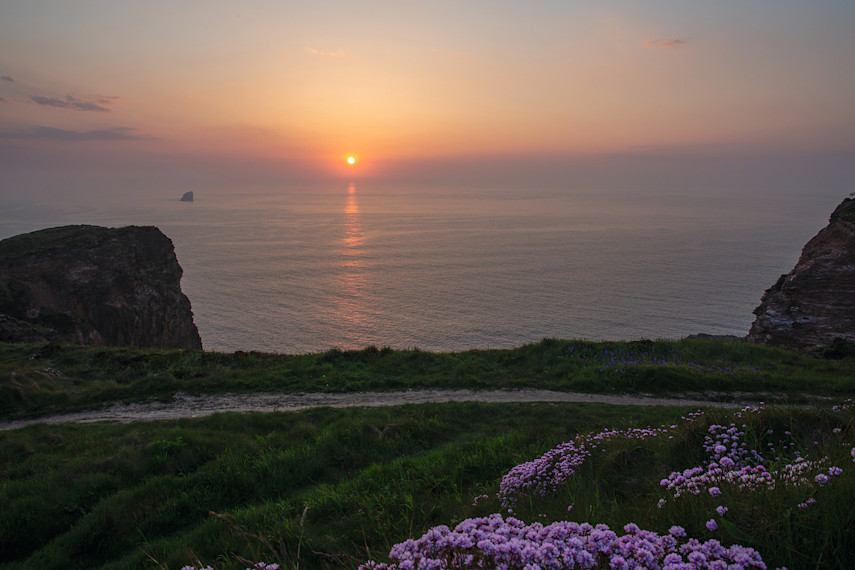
{"points": [[545, 474], [732, 462], [479, 498], [694, 480], [494, 542], [807, 503], [256, 566]]}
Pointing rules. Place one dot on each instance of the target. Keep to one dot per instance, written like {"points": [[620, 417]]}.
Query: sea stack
{"points": [[187, 197], [813, 305], [92, 285]]}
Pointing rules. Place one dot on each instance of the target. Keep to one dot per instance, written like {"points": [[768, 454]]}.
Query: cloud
{"points": [[336, 53], [666, 44], [52, 134], [6, 78], [70, 102]]}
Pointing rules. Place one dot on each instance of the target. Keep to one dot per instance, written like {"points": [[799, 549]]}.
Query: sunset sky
{"points": [[288, 90]]}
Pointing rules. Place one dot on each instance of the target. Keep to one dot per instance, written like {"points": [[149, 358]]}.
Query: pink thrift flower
{"points": [[712, 525]]}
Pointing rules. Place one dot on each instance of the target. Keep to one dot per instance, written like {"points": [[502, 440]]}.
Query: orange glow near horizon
{"points": [[309, 93]]}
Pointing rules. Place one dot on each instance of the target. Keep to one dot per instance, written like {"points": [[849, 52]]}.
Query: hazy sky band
{"points": [[305, 84]]}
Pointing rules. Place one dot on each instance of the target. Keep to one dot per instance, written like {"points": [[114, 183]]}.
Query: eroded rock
{"points": [[95, 286], [813, 305]]}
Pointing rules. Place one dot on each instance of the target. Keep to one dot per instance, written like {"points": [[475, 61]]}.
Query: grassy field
{"points": [[328, 488], [36, 380]]}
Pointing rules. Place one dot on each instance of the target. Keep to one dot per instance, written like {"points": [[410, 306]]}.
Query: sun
{"points": [[351, 160]]}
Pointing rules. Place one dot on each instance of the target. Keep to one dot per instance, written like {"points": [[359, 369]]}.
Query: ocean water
{"points": [[347, 265]]}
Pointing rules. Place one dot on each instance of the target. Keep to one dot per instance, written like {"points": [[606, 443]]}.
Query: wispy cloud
{"points": [[71, 102], [6, 78], [52, 134], [335, 53], [674, 43]]}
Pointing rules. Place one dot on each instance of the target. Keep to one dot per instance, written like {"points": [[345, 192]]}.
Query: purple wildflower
{"points": [[495, 542], [711, 525]]}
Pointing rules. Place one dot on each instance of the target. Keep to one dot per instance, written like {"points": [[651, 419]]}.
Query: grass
{"points": [[323, 489], [332, 488], [40, 379], [146, 489]]}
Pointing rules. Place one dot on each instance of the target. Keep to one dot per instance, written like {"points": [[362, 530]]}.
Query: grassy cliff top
{"points": [[40, 379]]}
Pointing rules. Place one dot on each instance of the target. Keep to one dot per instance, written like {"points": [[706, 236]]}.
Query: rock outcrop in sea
{"points": [[813, 306], [187, 197], [94, 286]]}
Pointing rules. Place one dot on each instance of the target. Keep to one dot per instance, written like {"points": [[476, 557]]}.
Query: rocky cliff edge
{"points": [[814, 304], [94, 286]]}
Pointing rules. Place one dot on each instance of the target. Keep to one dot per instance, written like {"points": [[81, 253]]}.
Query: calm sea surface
{"points": [[350, 265]]}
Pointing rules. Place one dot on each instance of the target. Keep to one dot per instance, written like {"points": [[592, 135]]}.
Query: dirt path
{"points": [[186, 406]]}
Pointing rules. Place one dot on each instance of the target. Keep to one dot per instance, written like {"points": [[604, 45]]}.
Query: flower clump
{"points": [[496, 542], [545, 474], [508, 543], [731, 461], [256, 566]]}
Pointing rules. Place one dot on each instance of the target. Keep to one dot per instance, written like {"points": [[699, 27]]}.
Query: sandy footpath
{"points": [[186, 406]]}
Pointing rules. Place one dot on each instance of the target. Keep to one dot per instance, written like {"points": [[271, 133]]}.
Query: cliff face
{"points": [[95, 286], [814, 304]]}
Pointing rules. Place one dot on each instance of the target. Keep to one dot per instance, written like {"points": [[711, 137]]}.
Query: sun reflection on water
{"points": [[352, 304], [354, 237]]}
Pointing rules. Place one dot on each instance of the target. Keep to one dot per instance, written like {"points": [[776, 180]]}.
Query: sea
{"points": [[350, 264]]}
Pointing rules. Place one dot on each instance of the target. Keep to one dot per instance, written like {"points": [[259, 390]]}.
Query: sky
{"points": [[605, 92]]}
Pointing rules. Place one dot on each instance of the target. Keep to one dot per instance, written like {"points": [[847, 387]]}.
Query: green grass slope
{"points": [[333, 488], [42, 379], [327, 488]]}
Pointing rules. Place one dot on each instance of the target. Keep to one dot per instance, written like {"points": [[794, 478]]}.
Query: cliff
{"points": [[94, 286], [814, 304]]}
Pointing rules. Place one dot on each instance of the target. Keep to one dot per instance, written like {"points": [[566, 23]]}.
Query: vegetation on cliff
{"points": [[324, 489], [39, 379], [328, 488]]}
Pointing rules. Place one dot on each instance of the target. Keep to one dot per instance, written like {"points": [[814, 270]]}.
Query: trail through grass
{"points": [[41, 379]]}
